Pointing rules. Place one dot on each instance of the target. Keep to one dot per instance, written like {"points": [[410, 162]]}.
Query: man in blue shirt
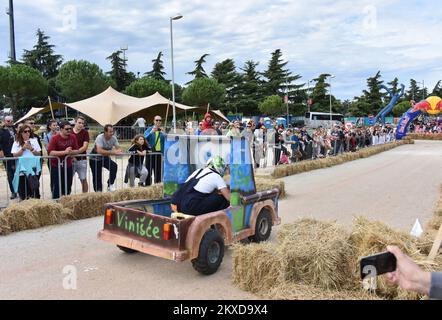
{"points": [[155, 137]]}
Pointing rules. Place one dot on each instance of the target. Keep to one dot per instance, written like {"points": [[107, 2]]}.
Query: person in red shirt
{"points": [[80, 163], [62, 145], [207, 123]]}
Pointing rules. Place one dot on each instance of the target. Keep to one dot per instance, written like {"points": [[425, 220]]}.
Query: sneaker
{"points": [[111, 188], [13, 196], [140, 184]]}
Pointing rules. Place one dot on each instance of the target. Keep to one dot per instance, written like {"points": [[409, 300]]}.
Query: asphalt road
{"points": [[396, 187]]}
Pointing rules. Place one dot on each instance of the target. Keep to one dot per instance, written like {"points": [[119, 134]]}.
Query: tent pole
{"points": [[208, 107], [66, 111], [167, 114], [50, 106]]}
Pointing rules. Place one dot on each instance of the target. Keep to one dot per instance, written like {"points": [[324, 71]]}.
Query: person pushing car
{"points": [[204, 191]]}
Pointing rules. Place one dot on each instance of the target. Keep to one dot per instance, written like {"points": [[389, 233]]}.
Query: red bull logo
{"points": [[432, 105]]}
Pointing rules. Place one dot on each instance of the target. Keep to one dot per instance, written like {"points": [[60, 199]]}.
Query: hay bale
{"points": [[290, 291], [153, 192], [316, 253], [31, 214], [90, 205], [4, 225], [86, 205], [263, 184], [370, 237], [256, 267]]}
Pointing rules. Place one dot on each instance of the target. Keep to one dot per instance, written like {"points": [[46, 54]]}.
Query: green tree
{"points": [[272, 105], [373, 95], [249, 90], [203, 91], [344, 107], [157, 68], [118, 72], [199, 71], [224, 72], [278, 79], [437, 91], [23, 87], [413, 91], [320, 95], [401, 108], [360, 107], [78, 80], [147, 86], [42, 57], [394, 86]]}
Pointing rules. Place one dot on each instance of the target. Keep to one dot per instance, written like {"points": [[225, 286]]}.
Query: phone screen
{"points": [[378, 264]]}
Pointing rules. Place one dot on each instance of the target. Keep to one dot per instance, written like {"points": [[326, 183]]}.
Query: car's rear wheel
{"points": [[211, 253]]}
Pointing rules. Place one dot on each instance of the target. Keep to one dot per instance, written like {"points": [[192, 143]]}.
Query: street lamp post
{"points": [[10, 12], [308, 94], [176, 17], [331, 76]]}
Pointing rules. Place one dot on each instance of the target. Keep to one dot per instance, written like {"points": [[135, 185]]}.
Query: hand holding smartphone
{"points": [[377, 264]]}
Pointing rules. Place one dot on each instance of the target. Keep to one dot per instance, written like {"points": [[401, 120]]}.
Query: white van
{"points": [[321, 119]]}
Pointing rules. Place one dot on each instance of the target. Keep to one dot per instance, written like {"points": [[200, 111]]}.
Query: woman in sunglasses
{"points": [[26, 147]]}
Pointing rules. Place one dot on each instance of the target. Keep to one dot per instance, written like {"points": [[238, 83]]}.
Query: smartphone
{"points": [[378, 264]]}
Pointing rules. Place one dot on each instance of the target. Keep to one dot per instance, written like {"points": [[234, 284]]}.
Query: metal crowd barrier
{"points": [[101, 169], [26, 189]]}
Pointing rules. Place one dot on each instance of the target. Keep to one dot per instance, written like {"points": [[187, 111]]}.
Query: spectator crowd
{"points": [[67, 145]]}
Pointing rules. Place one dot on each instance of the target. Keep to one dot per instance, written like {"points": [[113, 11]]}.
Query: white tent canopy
{"points": [[111, 106]]}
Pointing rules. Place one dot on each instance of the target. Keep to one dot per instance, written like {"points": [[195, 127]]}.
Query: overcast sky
{"points": [[350, 39]]}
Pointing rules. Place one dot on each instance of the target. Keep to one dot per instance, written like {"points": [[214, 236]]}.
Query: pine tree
{"points": [[394, 86], [437, 91], [118, 73], [413, 92], [280, 81], [225, 73], [199, 71], [320, 95], [373, 95], [42, 57], [249, 90], [157, 68]]}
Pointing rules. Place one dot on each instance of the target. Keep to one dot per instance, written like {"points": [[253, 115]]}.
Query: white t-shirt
{"points": [[140, 122], [209, 183], [27, 153]]}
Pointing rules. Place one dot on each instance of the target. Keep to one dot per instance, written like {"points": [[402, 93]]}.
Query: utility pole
{"points": [[10, 12], [124, 49]]}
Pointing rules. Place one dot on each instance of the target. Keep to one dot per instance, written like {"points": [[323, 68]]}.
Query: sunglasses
{"points": [[27, 131], [158, 120], [67, 129]]}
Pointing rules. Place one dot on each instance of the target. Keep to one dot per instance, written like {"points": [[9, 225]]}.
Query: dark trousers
{"points": [[65, 178], [25, 191], [197, 203], [277, 155], [97, 172], [10, 171], [153, 163]]}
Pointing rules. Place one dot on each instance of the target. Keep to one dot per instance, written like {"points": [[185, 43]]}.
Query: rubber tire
{"points": [[127, 250], [263, 217], [202, 263]]}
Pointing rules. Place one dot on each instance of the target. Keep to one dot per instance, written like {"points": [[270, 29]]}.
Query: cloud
{"points": [[352, 40]]}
